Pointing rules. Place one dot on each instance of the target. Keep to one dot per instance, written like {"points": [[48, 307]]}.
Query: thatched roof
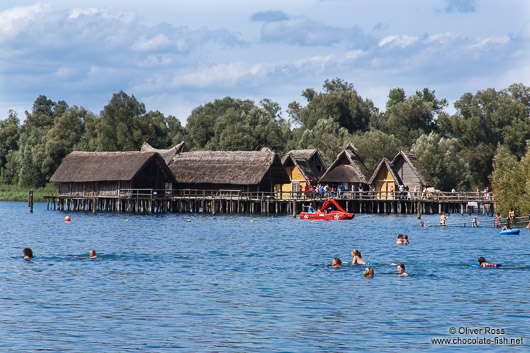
{"points": [[347, 168], [302, 159], [390, 167], [416, 167], [166, 154], [106, 166], [228, 167]]}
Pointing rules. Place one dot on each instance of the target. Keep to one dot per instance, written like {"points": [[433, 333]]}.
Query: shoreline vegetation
{"points": [[19, 193]]}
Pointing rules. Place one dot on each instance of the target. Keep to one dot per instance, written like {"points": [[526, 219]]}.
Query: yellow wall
{"points": [[295, 176], [383, 182]]}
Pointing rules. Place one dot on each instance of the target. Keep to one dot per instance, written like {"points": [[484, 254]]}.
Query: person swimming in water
{"points": [[357, 258], [28, 253], [405, 240], [401, 270], [482, 262], [422, 224], [399, 240], [443, 218], [368, 272], [474, 223], [91, 254], [336, 263]]}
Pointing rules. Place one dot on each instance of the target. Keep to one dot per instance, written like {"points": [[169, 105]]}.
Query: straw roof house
{"points": [[347, 169], [166, 154], [307, 165], [411, 171], [234, 170], [105, 173], [303, 168]]}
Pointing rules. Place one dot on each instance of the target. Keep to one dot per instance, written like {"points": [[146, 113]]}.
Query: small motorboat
{"points": [[510, 232], [324, 213]]}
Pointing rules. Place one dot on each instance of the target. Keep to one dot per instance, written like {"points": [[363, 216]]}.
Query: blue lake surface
{"points": [[202, 283]]}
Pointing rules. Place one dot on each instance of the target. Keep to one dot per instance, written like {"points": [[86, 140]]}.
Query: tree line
{"points": [[460, 150]]}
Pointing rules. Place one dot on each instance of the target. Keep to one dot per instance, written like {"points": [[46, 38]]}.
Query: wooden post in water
{"points": [[418, 208], [94, 205], [294, 208], [30, 201]]}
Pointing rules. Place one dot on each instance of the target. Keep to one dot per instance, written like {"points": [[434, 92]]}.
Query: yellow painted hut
{"points": [[304, 167], [385, 180]]}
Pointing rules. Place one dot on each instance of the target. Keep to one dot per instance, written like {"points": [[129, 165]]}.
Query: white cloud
{"points": [[398, 41], [75, 13], [17, 19], [157, 42]]}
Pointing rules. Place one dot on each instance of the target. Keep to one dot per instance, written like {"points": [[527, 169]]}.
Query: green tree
{"points": [[122, 124], [233, 124], [327, 135], [440, 157], [509, 181], [374, 145], [339, 102], [9, 136]]}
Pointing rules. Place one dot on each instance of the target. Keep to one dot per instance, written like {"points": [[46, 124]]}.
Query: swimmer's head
{"points": [[405, 237], [356, 252], [28, 253], [400, 236], [92, 253], [336, 262], [481, 260], [369, 272], [401, 268]]}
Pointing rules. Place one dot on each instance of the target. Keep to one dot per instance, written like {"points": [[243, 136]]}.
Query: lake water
{"points": [[202, 283]]}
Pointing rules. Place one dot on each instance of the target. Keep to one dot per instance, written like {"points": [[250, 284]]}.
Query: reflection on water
{"points": [[224, 283]]}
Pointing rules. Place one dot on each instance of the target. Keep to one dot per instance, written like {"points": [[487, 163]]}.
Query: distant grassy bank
{"points": [[18, 193]]}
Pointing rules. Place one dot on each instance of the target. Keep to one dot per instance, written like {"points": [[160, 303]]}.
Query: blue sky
{"points": [[176, 55]]}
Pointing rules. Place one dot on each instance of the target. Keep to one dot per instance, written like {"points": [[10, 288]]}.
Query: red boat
{"points": [[324, 214]]}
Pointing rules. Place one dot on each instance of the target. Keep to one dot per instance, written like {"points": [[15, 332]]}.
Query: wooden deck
{"points": [[235, 201]]}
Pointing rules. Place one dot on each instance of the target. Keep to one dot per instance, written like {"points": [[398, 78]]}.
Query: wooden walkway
{"points": [[238, 202]]}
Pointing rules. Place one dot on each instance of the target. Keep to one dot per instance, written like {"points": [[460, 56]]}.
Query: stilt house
{"points": [[304, 167], [242, 171], [385, 180], [106, 174], [166, 154], [348, 169], [411, 172]]}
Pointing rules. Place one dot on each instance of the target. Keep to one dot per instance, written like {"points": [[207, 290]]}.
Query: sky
{"points": [[174, 56]]}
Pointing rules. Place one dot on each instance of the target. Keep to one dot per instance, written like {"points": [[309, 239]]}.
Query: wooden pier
{"points": [[238, 202]]}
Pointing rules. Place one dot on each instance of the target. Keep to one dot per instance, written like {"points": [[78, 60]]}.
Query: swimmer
{"points": [[399, 240], [401, 270], [474, 223], [368, 272], [507, 225], [422, 224], [91, 254], [482, 262], [357, 258], [336, 263], [498, 220], [28, 253], [405, 240], [443, 218]]}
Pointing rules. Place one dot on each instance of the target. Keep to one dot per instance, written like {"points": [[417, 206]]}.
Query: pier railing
{"points": [[457, 197]]}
